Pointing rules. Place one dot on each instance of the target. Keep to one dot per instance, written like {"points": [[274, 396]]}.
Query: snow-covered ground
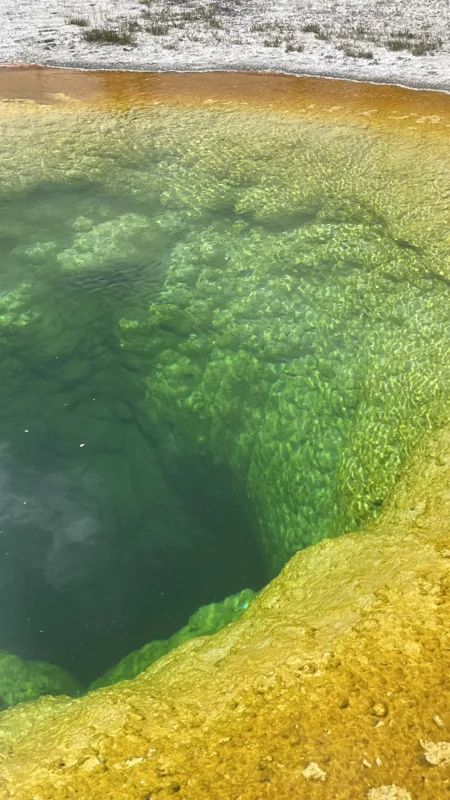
{"points": [[396, 41]]}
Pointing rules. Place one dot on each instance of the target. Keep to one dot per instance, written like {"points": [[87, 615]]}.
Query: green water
{"points": [[222, 335]]}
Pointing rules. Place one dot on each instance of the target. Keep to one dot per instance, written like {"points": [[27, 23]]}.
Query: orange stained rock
{"points": [[361, 103], [333, 686]]}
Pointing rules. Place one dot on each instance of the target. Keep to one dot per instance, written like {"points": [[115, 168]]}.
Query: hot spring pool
{"points": [[224, 322]]}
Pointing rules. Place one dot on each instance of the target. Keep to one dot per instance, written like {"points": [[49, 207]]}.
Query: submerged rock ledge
{"points": [[332, 684]]}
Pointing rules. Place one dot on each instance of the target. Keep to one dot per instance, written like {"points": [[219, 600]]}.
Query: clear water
{"points": [[223, 331]]}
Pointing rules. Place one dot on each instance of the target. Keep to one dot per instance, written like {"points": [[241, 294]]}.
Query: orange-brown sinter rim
{"points": [[374, 103]]}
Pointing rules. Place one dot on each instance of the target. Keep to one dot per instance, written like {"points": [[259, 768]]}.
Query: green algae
{"points": [[304, 363], [267, 293], [22, 681], [206, 621]]}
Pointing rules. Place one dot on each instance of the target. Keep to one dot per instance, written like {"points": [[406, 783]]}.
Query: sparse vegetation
{"points": [[320, 32], [261, 27], [188, 16], [81, 21], [264, 27], [133, 25], [402, 35], [312, 27], [162, 15], [356, 52], [162, 20], [212, 22], [108, 36], [417, 48], [157, 29], [275, 41], [294, 48], [398, 44], [424, 48]]}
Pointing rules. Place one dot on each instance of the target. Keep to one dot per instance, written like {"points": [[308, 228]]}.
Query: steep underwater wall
{"points": [[333, 684], [301, 335]]}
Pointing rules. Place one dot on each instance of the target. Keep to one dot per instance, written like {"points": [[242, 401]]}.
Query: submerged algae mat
{"points": [[240, 279], [333, 685], [275, 280]]}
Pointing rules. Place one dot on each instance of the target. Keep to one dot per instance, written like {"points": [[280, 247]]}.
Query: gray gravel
{"points": [[353, 37]]}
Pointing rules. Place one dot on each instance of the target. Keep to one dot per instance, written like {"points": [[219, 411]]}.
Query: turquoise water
{"points": [[220, 341]]}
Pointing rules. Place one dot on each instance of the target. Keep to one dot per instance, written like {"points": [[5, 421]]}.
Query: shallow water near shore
{"points": [[224, 329]]}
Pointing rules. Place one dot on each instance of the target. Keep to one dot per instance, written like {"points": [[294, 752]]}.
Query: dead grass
{"points": [[402, 35], [81, 21], [275, 41], [424, 48], [314, 27], [357, 52], [270, 26], [157, 29], [208, 15], [417, 48], [108, 36]]}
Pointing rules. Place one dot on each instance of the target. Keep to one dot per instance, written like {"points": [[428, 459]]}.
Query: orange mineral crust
{"points": [[334, 685], [390, 106]]}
